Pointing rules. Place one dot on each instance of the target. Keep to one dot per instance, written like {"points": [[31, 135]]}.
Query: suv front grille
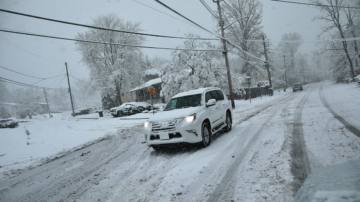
{"points": [[159, 126], [171, 136]]}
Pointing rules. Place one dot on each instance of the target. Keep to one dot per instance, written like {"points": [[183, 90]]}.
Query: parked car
{"points": [[81, 111], [9, 123], [190, 117], [297, 87], [124, 109], [142, 106]]}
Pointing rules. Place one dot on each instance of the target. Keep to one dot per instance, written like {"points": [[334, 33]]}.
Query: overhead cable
{"points": [[209, 9], [310, 4], [182, 15], [100, 28], [164, 13], [29, 51], [60, 81], [98, 42], [2, 79], [209, 31], [29, 75]]}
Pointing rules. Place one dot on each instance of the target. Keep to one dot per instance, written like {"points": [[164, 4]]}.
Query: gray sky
{"points": [[41, 57]]}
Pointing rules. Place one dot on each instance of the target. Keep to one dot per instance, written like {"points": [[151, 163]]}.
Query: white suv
{"points": [[190, 117]]}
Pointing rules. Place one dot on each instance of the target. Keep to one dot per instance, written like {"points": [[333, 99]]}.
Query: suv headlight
{"points": [[146, 124], [190, 118]]}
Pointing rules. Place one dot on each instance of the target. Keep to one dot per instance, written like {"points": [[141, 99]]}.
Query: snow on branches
{"points": [[190, 69]]}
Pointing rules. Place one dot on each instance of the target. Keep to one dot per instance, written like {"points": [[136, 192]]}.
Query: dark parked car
{"points": [[81, 111], [124, 109], [9, 123], [297, 87]]}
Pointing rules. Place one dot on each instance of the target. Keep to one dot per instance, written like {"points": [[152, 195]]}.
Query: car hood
{"points": [[174, 114]]}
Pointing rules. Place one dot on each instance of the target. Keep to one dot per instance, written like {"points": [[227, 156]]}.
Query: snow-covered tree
{"points": [[342, 20], [29, 99], [59, 100], [191, 69], [114, 69], [4, 93], [245, 30], [288, 47], [84, 95]]}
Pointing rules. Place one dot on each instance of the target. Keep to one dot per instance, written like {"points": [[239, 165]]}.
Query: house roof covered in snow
{"points": [[147, 84], [152, 72]]}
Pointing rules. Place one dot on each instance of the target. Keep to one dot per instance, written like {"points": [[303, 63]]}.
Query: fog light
{"points": [[192, 131]]}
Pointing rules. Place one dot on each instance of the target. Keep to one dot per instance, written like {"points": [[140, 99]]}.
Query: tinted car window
{"points": [[184, 102], [208, 96], [220, 94]]}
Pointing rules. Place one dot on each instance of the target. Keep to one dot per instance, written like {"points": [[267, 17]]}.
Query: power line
{"points": [[29, 51], [74, 77], [98, 42], [60, 81], [100, 28], [183, 16], [29, 75], [209, 9], [164, 13], [209, 31], [2, 79], [310, 4]]}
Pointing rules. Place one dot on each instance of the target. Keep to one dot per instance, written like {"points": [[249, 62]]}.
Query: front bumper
{"points": [[181, 133]]}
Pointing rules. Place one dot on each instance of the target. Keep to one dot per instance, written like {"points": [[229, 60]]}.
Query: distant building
{"points": [[140, 94], [11, 108]]}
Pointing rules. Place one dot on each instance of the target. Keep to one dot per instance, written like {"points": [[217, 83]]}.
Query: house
{"points": [[140, 94]]}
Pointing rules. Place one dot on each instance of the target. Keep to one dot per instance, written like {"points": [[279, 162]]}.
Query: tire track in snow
{"points": [[227, 179], [348, 126], [259, 110], [70, 176], [300, 166]]}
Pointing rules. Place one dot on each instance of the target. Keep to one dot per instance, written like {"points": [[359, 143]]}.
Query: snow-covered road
{"points": [[276, 142]]}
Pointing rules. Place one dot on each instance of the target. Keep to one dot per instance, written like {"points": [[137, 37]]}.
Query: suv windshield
{"points": [[184, 102]]}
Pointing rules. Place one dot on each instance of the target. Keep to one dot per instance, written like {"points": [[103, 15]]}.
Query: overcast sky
{"points": [[42, 57]]}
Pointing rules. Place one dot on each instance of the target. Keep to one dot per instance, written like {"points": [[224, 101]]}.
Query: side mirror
{"points": [[211, 102]]}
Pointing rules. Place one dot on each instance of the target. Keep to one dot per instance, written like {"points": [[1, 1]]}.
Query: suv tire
{"points": [[118, 114], [205, 134], [228, 122], [157, 148]]}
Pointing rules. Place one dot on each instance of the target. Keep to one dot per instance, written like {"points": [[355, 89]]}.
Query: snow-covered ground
{"points": [[41, 139], [253, 162]]}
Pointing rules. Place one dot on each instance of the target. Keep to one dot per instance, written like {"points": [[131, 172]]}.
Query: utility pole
{"points": [[47, 103], [303, 70], [71, 100], [221, 23], [267, 61], [285, 73]]}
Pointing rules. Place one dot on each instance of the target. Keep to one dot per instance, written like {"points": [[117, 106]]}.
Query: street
{"points": [[267, 156]]}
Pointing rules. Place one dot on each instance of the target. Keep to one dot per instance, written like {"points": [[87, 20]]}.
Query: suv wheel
{"points": [[157, 148], [228, 122], [118, 114], [205, 134]]}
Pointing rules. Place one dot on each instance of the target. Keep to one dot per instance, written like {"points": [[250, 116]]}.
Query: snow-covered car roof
{"points": [[139, 103], [194, 92]]}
